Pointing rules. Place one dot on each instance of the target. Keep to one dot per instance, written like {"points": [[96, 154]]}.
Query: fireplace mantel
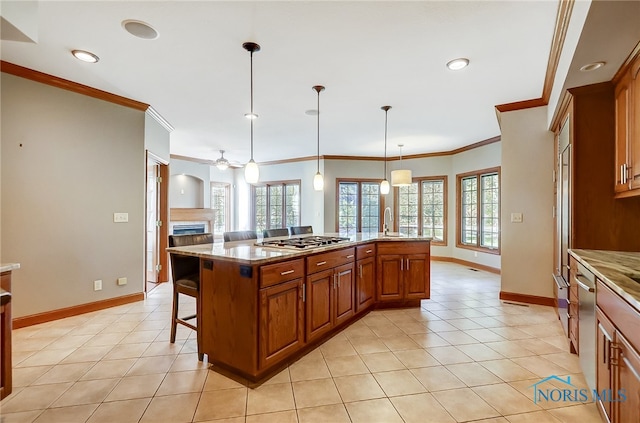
{"points": [[192, 216]]}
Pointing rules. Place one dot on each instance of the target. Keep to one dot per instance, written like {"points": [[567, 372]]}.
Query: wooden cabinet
{"points": [[402, 277], [618, 359], [281, 321], [365, 292], [330, 291], [628, 373], [627, 127], [604, 376], [5, 339]]}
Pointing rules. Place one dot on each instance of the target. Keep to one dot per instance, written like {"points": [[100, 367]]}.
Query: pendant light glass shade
{"points": [[384, 185], [401, 177], [318, 180], [251, 171]]}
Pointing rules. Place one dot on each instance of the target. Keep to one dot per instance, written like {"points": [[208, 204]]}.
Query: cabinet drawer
{"points": [[273, 274], [331, 259], [403, 247], [364, 251], [621, 313]]}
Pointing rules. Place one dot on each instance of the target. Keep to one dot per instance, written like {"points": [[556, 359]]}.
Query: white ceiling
{"points": [[367, 54]]}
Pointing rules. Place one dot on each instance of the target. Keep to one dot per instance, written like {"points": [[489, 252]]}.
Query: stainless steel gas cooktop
{"points": [[306, 242]]}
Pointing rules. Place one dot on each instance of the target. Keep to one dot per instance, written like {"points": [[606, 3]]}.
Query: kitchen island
{"points": [[615, 349], [262, 307]]}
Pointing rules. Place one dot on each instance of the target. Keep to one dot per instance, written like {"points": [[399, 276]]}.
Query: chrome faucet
{"points": [[388, 218]]}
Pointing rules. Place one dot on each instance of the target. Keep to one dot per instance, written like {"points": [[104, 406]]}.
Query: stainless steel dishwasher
{"points": [[587, 323]]}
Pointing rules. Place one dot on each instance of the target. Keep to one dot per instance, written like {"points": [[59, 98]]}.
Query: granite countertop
{"points": [[617, 269], [248, 252], [7, 267]]}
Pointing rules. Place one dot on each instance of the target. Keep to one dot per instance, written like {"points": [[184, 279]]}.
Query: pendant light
{"points": [[384, 185], [318, 181], [402, 177], [251, 171]]}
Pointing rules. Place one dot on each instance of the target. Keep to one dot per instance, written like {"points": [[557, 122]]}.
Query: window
{"points": [[220, 193], [358, 206], [479, 211], [421, 209], [276, 205]]}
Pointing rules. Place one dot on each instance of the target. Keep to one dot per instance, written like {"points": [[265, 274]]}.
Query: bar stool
{"points": [[239, 235], [185, 273], [301, 230], [270, 233]]}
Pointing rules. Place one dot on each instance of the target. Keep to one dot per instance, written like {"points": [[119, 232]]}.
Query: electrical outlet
{"points": [[475, 254], [120, 217], [97, 285], [516, 217], [122, 281]]}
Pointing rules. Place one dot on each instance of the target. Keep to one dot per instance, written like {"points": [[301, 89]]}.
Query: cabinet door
{"points": [[318, 303], [622, 99], [604, 375], [344, 289], [365, 283], [281, 321], [634, 125], [389, 278], [629, 380], [416, 277]]}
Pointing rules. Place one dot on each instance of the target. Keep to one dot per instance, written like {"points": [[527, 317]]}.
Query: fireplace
{"points": [[195, 228], [190, 221]]}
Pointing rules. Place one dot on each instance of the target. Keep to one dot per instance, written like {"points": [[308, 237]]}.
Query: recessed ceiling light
{"points": [[140, 29], [85, 56], [592, 66], [457, 64], [311, 112]]}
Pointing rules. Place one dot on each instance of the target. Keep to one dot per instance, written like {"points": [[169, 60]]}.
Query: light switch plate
{"points": [[516, 217], [122, 281], [121, 217]]}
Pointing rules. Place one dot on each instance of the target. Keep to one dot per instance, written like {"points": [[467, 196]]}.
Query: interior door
{"points": [[152, 225]]}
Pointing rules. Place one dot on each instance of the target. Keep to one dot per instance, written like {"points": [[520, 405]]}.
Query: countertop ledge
{"points": [[616, 269], [250, 253], [8, 267]]}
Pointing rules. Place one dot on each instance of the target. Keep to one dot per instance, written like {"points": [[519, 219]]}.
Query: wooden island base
{"points": [[258, 317]]}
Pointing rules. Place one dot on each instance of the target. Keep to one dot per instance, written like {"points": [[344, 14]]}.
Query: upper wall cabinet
{"points": [[627, 100]]}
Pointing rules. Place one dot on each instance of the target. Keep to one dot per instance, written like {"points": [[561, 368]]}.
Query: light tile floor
{"points": [[464, 356]]}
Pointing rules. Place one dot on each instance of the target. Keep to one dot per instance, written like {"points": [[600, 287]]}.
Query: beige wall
{"points": [[68, 163], [527, 188]]}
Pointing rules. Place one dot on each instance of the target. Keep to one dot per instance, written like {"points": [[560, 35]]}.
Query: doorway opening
{"points": [[157, 213]]}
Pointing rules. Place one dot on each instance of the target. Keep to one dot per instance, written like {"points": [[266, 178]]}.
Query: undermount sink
{"points": [[635, 278], [392, 235]]}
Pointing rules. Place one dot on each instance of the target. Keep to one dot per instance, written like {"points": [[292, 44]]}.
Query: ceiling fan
{"points": [[222, 163]]}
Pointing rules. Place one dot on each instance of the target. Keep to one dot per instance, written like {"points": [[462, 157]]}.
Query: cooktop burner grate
{"points": [[302, 242]]}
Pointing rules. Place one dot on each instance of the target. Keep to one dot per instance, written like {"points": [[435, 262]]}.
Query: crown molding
{"points": [[65, 84], [158, 118]]}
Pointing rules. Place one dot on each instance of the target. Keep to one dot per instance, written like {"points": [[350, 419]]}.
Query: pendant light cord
{"points": [[252, 115], [385, 144], [318, 120]]}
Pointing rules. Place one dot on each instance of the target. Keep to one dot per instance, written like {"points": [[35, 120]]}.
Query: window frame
{"points": [[268, 185], [227, 206], [358, 181], [419, 180], [479, 217]]}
